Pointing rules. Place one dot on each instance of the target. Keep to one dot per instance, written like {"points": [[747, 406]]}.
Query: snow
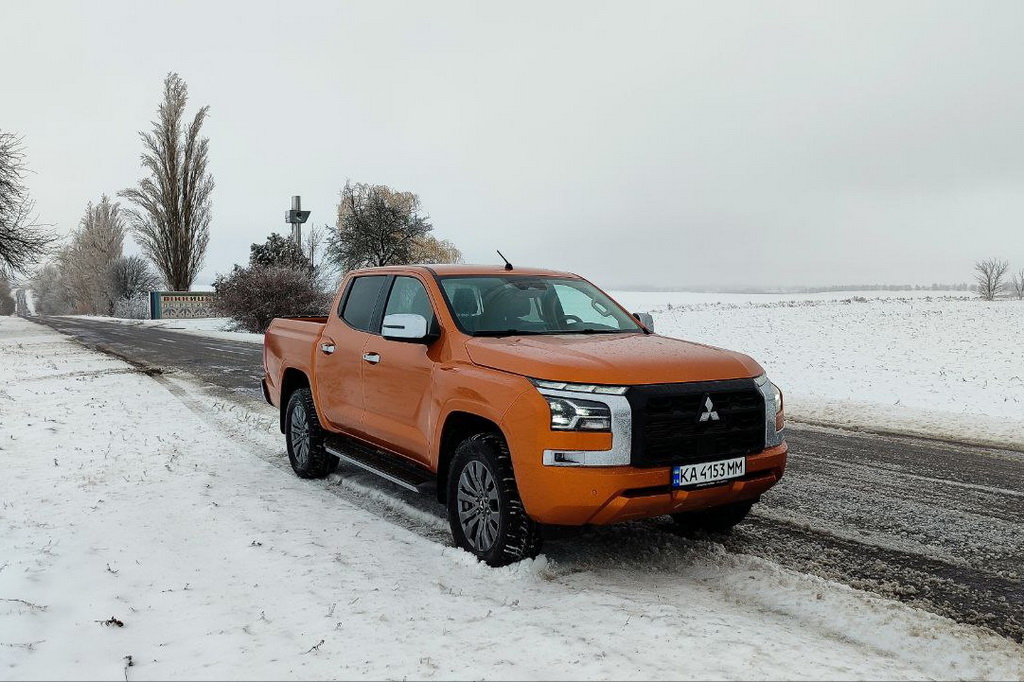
{"points": [[935, 364], [153, 502]]}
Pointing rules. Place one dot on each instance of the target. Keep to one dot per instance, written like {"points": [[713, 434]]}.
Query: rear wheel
{"points": [[305, 437], [718, 520], [484, 509]]}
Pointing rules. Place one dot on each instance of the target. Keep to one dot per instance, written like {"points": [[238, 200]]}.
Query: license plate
{"points": [[708, 472]]}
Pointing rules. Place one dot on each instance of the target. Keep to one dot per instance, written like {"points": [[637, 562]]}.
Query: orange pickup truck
{"points": [[522, 398]]}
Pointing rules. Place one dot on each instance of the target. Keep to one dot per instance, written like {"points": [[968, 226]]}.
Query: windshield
{"points": [[503, 305]]}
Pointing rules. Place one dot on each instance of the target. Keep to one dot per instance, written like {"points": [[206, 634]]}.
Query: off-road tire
{"points": [[717, 520], [489, 500], [305, 437]]}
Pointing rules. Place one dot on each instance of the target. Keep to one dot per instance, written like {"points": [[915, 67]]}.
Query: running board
{"points": [[393, 468]]}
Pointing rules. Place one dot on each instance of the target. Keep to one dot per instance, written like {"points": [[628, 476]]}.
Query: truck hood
{"points": [[614, 359]]}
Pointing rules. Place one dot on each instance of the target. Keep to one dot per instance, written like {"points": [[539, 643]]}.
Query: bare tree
{"points": [[22, 241], [376, 226], [1018, 284], [430, 249], [130, 276], [316, 239], [171, 218], [316, 246], [990, 277], [130, 280]]}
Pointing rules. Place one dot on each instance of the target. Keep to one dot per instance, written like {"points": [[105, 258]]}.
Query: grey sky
{"points": [[668, 144]]}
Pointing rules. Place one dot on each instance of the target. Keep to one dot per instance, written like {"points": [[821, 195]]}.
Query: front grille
{"points": [[667, 429]]}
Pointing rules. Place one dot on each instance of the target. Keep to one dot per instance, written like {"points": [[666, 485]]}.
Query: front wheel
{"points": [[485, 512], [305, 437]]}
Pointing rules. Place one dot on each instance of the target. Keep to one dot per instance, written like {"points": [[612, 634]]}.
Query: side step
{"points": [[384, 464]]}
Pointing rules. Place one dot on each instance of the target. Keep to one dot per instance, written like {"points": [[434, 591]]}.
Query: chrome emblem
{"points": [[709, 413]]}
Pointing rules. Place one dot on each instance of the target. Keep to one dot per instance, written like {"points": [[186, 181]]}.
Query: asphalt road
{"points": [[934, 524]]}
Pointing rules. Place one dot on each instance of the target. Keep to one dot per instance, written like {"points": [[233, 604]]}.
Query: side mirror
{"points": [[646, 319], [404, 327]]}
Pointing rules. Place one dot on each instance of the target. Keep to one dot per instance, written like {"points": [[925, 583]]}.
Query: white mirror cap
{"points": [[404, 326], [646, 319]]}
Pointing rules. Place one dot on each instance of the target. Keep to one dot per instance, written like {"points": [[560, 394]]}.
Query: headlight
{"points": [[780, 420], [573, 414], [772, 396], [579, 388]]}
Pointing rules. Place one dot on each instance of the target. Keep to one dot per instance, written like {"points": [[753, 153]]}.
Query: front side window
{"points": [[361, 301], [408, 295], [496, 305]]}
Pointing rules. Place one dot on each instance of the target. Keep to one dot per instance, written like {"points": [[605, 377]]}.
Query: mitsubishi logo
{"points": [[709, 413]]}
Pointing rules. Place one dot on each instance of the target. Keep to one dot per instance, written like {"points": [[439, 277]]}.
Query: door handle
{"points": [[327, 348], [372, 358]]}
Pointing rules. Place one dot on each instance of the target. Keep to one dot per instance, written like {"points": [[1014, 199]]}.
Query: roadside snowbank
{"points": [[212, 327], [143, 500]]}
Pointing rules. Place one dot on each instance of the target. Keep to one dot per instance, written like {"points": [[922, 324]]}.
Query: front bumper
{"points": [[575, 496]]}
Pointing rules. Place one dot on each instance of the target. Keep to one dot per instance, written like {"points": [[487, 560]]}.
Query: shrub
{"points": [[133, 308], [254, 296]]}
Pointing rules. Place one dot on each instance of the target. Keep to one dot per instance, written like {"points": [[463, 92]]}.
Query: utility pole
{"points": [[296, 216]]}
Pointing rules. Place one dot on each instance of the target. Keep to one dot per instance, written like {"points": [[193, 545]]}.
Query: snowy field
{"points": [[144, 521], [937, 364]]}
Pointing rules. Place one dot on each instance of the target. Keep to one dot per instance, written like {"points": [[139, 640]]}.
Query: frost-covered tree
{"points": [[989, 277], [22, 242], [171, 214], [1018, 284], [86, 261], [430, 249], [376, 226], [50, 290], [277, 250]]}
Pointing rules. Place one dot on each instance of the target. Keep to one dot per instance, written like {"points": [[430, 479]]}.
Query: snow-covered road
{"points": [[149, 501]]}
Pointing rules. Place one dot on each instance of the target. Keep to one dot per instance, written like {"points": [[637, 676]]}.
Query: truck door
{"points": [[339, 354], [397, 389]]}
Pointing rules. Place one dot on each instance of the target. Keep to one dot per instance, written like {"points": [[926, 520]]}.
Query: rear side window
{"points": [[361, 300]]}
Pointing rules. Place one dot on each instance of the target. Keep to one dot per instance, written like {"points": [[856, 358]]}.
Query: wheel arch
{"points": [[292, 380], [458, 426]]}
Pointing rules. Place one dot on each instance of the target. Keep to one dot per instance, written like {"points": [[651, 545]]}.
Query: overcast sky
{"points": [[666, 144]]}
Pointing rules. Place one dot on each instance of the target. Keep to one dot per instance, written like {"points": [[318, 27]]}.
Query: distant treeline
{"points": [[935, 286]]}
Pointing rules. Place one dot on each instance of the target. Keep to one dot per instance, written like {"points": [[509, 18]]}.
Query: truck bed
{"points": [[294, 338]]}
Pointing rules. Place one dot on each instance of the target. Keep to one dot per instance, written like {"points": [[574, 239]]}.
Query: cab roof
{"points": [[445, 269]]}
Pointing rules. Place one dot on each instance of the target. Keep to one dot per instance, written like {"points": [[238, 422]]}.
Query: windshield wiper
{"points": [[508, 332], [604, 331]]}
